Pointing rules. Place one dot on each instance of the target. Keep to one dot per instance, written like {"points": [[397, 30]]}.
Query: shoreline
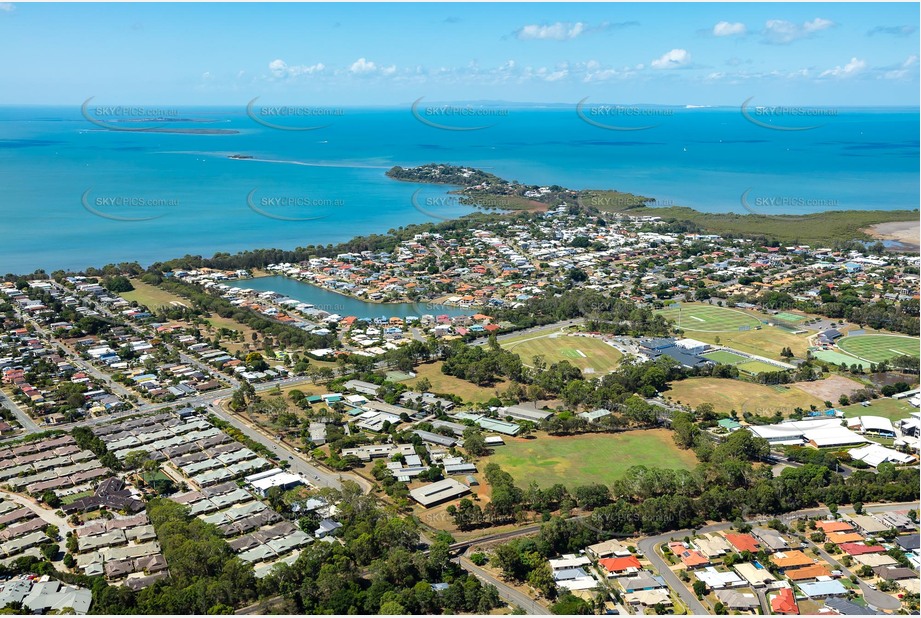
{"points": [[905, 234]]}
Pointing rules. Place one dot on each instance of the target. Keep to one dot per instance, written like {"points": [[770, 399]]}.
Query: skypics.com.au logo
{"points": [[613, 117], [788, 207], [125, 207], [292, 208], [456, 117], [287, 117], [446, 207], [132, 118], [785, 118]]}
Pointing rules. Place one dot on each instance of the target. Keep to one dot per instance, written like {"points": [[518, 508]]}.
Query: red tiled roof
{"points": [[834, 526], [858, 549], [616, 565], [784, 603], [743, 542]]}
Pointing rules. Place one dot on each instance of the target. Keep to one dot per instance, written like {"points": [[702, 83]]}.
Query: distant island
{"points": [[488, 191]]}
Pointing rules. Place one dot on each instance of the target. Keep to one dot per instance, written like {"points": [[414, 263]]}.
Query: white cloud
{"points": [[281, 69], [904, 70], [725, 28], [782, 32], [675, 59], [7, 7], [559, 31], [851, 68], [363, 66]]}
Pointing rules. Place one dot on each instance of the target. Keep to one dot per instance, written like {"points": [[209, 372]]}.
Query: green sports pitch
{"points": [[709, 318], [755, 367], [879, 348], [724, 358]]}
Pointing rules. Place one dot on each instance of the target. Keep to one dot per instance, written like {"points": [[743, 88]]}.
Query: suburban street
{"points": [[24, 419], [648, 545]]}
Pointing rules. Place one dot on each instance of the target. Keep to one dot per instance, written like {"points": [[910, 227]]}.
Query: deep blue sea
{"points": [[65, 179]]}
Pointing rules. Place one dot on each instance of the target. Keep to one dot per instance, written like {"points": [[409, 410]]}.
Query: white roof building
{"points": [[875, 454], [718, 580]]}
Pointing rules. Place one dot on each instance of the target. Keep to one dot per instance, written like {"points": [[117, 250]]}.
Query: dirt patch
{"points": [[831, 388], [906, 233]]}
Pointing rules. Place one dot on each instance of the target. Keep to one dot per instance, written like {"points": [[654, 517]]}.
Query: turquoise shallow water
{"points": [[343, 305], [59, 173]]}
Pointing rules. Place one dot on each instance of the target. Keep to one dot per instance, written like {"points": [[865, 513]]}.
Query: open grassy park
{"points": [[589, 354], [151, 296], [588, 458], [878, 348], [727, 395]]}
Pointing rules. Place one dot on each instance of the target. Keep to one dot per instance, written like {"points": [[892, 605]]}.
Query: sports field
{"points": [[705, 318], [767, 341], [836, 358], [789, 317], [588, 458], [878, 348], [589, 354], [727, 395], [756, 366], [724, 358], [893, 409]]}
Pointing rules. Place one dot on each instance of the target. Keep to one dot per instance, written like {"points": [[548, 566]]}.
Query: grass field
{"points": [[836, 358], [728, 395], [442, 383], [589, 354], [588, 458], [151, 296], [768, 341], [699, 317], [790, 317], [724, 358], [755, 367], [878, 348], [893, 409]]}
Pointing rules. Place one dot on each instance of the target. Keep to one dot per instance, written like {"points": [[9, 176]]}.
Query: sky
{"points": [[841, 54]]}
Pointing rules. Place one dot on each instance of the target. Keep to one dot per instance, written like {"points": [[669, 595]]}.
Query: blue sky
{"points": [[391, 54]]}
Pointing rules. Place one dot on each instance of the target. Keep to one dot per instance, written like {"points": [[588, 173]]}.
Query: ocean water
{"points": [[77, 195]]}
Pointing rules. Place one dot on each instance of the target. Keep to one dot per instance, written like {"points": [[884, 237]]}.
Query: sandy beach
{"points": [[906, 233]]}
